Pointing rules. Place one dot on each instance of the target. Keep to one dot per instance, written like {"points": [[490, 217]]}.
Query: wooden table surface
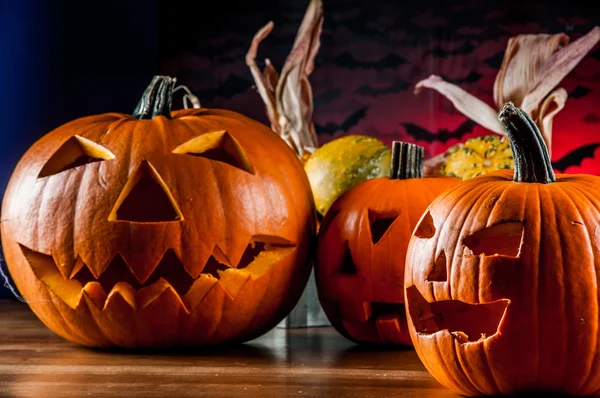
{"points": [[315, 362]]}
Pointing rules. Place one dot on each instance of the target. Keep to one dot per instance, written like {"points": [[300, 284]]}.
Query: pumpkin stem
{"points": [[407, 161], [157, 99], [532, 161]]}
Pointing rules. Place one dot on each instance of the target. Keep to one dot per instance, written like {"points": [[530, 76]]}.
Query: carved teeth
{"points": [[125, 292], [199, 290], [95, 292], [83, 284], [233, 280], [390, 328], [151, 293], [77, 266]]}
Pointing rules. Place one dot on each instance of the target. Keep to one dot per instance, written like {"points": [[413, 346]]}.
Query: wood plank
{"points": [[313, 362]]}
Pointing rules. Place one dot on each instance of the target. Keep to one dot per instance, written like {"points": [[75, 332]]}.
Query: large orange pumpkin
{"points": [[158, 229], [360, 253], [502, 277]]}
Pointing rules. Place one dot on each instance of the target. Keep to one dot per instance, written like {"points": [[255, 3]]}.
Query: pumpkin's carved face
{"points": [[360, 256], [496, 248], [501, 286], [193, 229]]}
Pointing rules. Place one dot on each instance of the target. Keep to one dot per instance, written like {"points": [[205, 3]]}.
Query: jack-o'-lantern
{"points": [[186, 228], [502, 277], [359, 267]]}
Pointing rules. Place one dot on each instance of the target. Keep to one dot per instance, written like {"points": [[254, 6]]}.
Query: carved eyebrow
{"points": [[76, 151], [219, 146], [504, 239]]}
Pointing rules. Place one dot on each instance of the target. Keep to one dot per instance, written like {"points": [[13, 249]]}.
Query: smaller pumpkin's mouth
{"points": [[468, 323], [118, 279], [377, 322]]}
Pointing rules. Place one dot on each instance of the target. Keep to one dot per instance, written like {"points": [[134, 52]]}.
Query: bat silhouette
{"points": [[346, 60], [495, 60], [328, 96], [492, 32], [351, 121], [579, 92], [233, 85], [368, 91], [211, 51], [358, 24], [466, 48], [591, 118], [575, 157], [472, 77], [442, 135]]}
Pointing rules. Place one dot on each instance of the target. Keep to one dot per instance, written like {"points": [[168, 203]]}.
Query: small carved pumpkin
{"points": [[157, 229], [360, 253], [502, 275]]}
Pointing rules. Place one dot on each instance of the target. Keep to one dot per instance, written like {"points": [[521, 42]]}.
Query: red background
{"points": [[374, 52]]}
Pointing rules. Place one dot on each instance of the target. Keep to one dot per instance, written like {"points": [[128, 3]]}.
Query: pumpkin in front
{"points": [[159, 229], [501, 277], [359, 267]]}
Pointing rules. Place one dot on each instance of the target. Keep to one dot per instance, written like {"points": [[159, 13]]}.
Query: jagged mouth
{"points": [[386, 319], [468, 323], [170, 274]]}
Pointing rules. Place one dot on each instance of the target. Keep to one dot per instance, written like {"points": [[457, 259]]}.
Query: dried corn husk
{"points": [[532, 68], [288, 97]]}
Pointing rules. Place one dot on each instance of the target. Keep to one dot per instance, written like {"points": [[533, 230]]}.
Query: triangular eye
{"points": [[439, 272], [219, 146], [76, 151], [426, 228], [348, 265], [380, 222]]}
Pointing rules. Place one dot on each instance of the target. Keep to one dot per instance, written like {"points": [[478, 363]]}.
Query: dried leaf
{"points": [[545, 113], [267, 94], [469, 105], [271, 76], [293, 96], [558, 66], [523, 60], [288, 98]]}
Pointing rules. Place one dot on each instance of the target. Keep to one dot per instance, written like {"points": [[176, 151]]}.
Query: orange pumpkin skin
{"points": [[101, 269], [512, 306], [359, 267]]}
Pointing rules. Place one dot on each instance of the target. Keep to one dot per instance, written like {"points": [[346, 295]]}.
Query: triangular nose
{"points": [[145, 198]]}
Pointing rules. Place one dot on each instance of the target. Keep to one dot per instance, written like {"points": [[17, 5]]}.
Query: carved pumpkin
{"points": [[501, 277], [360, 253], [158, 229]]}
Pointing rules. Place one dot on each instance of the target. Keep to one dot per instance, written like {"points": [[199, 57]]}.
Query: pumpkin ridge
{"points": [[590, 368], [452, 280], [589, 242], [92, 315], [458, 355], [70, 327]]}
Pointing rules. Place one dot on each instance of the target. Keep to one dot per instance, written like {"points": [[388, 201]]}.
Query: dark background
{"points": [[67, 59]]}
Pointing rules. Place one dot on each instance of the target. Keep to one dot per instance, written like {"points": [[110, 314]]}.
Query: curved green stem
{"points": [[157, 99], [532, 161]]}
